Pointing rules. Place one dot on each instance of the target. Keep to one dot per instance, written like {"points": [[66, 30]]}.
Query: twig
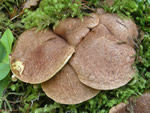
{"points": [[12, 93], [17, 15], [5, 105], [13, 102], [1, 110], [88, 7], [84, 5], [8, 104], [32, 101], [85, 2]]}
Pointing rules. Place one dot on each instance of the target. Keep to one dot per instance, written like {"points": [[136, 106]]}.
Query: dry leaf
{"points": [[30, 3]]}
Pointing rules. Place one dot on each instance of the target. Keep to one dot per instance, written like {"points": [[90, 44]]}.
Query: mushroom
{"points": [[38, 56], [88, 56], [65, 88], [102, 63], [120, 108], [73, 30], [140, 104]]}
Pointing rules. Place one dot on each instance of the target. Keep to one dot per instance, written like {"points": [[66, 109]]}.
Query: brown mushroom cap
{"points": [[120, 108], [124, 30], [73, 30], [139, 104], [101, 62], [66, 88], [38, 56], [142, 104]]}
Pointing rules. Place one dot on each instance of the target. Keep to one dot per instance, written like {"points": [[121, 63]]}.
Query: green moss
{"points": [[50, 12]]}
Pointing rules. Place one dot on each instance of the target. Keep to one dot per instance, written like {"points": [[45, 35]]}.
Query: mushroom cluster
{"points": [[78, 58], [139, 104]]}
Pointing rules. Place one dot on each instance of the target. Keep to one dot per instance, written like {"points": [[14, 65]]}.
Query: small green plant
{"points": [[5, 50]]}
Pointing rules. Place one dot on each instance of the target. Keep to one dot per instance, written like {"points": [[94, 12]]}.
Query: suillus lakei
{"points": [[74, 30], [38, 56], [140, 104], [120, 108], [66, 88], [78, 58], [101, 62]]}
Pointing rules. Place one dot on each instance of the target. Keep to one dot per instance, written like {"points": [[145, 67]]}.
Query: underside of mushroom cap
{"points": [[38, 56], [101, 62], [124, 30], [66, 88], [73, 30]]}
